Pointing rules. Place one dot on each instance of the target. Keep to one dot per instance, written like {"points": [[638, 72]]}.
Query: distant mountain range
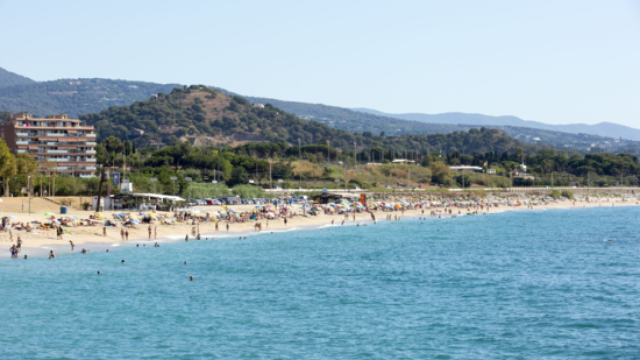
{"points": [[71, 96], [602, 129], [7, 78], [76, 97]]}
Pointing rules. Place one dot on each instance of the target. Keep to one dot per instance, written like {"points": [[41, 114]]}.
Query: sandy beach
{"points": [[93, 236]]}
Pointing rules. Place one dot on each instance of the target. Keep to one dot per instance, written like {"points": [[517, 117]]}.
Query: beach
{"points": [[94, 236]]}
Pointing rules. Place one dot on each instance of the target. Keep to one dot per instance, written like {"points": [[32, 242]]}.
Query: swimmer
{"points": [[84, 251], [185, 263], [26, 257], [156, 245], [52, 255], [98, 272], [107, 250], [191, 277], [122, 261]]}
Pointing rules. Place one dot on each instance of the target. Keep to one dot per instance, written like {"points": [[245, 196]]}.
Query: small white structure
{"points": [[258, 105], [403, 161], [465, 167]]}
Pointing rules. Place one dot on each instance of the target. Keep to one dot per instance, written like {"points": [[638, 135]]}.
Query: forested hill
{"points": [[206, 117], [75, 96], [7, 78], [355, 121]]}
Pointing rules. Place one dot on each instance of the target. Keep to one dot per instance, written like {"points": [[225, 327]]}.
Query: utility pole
{"points": [[355, 155], [270, 179], [100, 188], [345, 176], [29, 191], [328, 153], [299, 164]]}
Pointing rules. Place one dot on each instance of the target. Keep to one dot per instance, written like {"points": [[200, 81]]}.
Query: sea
{"points": [[512, 285]]}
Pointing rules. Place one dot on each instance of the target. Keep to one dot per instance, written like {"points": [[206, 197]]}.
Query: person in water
{"points": [[52, 255], [73, 246]]}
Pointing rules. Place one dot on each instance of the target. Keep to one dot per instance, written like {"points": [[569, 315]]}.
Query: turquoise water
{"points": [[536, 285]]}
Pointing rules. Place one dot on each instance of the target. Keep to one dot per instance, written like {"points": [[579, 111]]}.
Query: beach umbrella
{"points": [[48, 214], [11, 217]]}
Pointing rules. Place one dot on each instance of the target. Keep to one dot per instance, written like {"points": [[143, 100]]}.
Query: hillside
{"points": [[206, 117], [354, 121], [606, 129], [7, 78], [75, 96], [376, 122]]}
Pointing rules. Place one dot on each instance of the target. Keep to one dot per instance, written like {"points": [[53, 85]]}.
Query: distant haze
{"points": [[602, 129]]}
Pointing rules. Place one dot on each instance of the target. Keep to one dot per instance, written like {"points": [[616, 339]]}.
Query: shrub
{"points": [[568, 194], [556, 194]]}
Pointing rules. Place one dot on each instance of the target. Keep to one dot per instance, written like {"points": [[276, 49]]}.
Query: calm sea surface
{"points": [[536, 285]]}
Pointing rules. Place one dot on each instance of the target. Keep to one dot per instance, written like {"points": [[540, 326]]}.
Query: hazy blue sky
{"points": [[551, 61]]}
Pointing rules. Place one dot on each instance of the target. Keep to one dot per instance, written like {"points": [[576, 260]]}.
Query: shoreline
{"points": [[40, 243]]}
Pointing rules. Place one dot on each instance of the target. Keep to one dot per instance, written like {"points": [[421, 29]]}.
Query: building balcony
{"points": [[57, 151], [90, 160], [90, 151], [91, 143], [22, 143], [90, 135], [21, 151], [23, 134]]}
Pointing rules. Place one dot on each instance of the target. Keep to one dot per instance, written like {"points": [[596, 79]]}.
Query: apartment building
{"points": [[58, 143]]}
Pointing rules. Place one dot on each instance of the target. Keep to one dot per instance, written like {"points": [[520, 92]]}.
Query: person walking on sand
{"points": [[59, 231], [104, 231], [122, 234], [149, 232], [126, 235], [19, 245], [216, 226], [227, 227], [155, 232]]}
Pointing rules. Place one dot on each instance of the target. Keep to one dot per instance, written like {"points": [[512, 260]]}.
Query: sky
{"points": [[557, 61]]}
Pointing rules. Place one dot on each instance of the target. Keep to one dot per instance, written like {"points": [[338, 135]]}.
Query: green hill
{"points": [[207, 117], [7, 78], [75, 96]]}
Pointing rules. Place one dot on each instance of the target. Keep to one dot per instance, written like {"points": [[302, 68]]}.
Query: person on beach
{"points": [[186, 238], [285, 221], [126, 235], [19, 245], [216, 226], [122, 234], [73, 246], [227, 228], [104, 231], [13, 251], [149, 232], [155, 232]]}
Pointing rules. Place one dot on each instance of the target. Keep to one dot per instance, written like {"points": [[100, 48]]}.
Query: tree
{"points": [[7, 165], [114, 145], [440, 173], [26, 165]]}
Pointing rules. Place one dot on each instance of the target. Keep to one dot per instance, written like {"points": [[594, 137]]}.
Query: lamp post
{"points": [[173, 181], [188, 179], [153, 183], [29, 191]]}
